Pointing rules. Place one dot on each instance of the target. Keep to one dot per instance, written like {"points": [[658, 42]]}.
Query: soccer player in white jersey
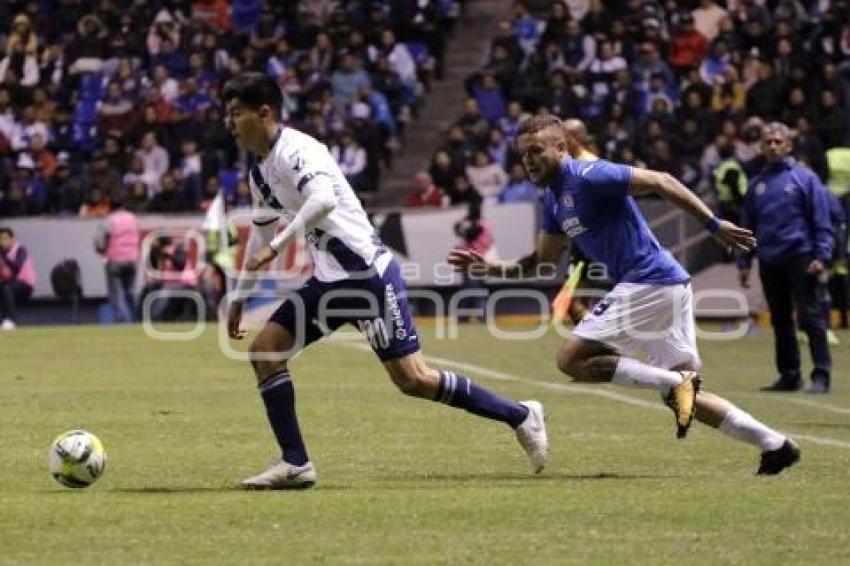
{"points": [[356, 280], [650, 308]]}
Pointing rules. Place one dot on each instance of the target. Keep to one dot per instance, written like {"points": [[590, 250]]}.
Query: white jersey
{"points": [[344, 242]]}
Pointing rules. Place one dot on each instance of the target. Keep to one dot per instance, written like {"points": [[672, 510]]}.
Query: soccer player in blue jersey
{"points": [[650, 308], [356, 280]]}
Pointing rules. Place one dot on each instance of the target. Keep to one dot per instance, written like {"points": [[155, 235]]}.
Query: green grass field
{"points": [[402, 481]]}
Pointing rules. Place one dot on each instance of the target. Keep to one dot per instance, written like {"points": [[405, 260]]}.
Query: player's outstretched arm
{"points": [[731, 236], [261, 234], [542, 260]]}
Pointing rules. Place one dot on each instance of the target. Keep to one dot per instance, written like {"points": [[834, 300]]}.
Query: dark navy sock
{"points": [[279, 396], [459, 391]]}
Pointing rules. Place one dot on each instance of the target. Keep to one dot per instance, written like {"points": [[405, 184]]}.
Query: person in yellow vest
{"points": [[730, 181], [575, 132], [838, 182], [578, 146]]}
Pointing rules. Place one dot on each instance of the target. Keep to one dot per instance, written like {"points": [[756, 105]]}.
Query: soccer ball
{"points": [[76, 458]]}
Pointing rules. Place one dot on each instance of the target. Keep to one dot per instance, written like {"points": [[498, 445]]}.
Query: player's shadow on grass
{"points": [[154, 490], [528, 478]]}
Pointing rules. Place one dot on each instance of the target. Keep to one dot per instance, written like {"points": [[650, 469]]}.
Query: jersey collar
{"points": [[273, 142]]}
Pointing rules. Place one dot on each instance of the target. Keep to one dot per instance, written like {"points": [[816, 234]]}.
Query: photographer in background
{"points": [[475, 234], [17, 277]]}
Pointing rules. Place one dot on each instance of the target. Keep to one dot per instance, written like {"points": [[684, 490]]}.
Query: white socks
{"points": [[638, 374], [742, 426]]}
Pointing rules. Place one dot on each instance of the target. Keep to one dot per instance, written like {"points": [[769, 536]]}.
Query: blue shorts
{"points": [[376, 305]]}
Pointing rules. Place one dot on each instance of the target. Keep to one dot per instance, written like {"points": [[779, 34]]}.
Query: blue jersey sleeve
{"points": [[605, 178], [820, 221], [549, 223]]}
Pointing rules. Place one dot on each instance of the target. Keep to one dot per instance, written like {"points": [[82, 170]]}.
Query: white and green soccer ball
{"points": [[76, 458]]}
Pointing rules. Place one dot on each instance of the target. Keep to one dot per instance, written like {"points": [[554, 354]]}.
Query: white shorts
{"points": [[655, 320]]}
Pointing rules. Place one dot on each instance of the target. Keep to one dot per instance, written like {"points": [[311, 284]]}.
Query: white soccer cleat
{"points": [[283, 475], [7, 324], [532, 435]]}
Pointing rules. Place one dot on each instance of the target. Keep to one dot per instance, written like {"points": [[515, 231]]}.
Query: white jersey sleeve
{"points": [[343, 242]]}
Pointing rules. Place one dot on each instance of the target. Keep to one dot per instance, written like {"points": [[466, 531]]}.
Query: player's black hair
{"points": [[253, 90], [536, 123], [7, 230]]}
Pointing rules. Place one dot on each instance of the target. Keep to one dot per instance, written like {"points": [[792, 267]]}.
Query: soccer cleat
{"points": [[784, 385], [531, 435], [682, 400], [283, 475], [818, 387], [774, 461], [7, 324]]}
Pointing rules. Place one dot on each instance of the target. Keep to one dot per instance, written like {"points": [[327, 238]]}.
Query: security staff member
{"points": [[786, 207]]}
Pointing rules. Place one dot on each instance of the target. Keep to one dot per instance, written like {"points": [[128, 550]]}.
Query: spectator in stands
{"points": [[488, 94], [510, 123], [43, 159], [242, 196], [352, 161], [24, 131], [486, 176], [117, 240], [831, 123], [764, 97], [498, 148], [17, 278], [65, 189], [163, 85], [707, 18], [87, 50], [687, 45], [443, 170], [649, 62], [401, 61], [20, 65], [116, 114], [31, 184], [560, 98], [347, 80], [104, 175], [169, 198], [137, 199], [474, 125], [519, 188], [424, 193], [155, 160], [164, 27], [96, 204], [212, 187], [22, 39], [462, 192]]}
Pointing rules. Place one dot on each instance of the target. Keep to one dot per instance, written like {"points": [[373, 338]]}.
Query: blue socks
{"points": [[279, 397], [459, 391]]}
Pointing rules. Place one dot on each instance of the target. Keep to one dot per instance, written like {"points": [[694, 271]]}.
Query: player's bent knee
{"points": [[566, 362], [266, 357]]}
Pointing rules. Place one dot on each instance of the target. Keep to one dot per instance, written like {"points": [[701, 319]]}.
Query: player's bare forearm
{"points": [[516, 269], [665, 185], [541, 262]]}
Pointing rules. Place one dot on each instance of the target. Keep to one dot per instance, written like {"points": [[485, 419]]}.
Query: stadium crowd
{"points": [[118, 100], [679, 86]]}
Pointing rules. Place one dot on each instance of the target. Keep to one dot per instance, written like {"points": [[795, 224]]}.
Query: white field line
{"points": [[589, 390], [809, 403]]}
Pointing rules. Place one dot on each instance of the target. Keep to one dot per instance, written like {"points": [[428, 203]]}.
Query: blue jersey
{"points": [[589, 202]]}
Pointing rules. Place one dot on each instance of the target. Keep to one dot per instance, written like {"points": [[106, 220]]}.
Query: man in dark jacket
{"points": [[786, 207]]}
